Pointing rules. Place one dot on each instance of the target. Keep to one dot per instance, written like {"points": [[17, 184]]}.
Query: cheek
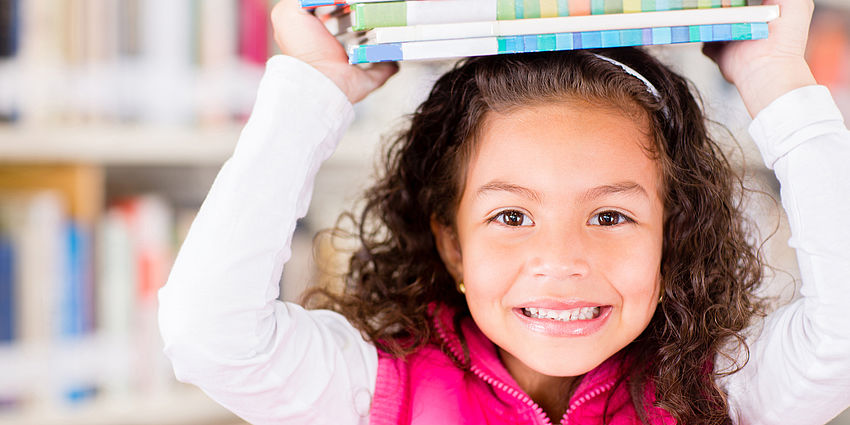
{"points": [[634, 273], [489, 268]]}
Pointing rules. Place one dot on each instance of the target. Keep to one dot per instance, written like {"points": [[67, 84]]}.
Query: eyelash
{"points": [[624, 219], [503, 213], [498, 217]]}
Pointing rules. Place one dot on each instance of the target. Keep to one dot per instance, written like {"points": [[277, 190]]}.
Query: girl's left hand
{"points": [[765, 69]]}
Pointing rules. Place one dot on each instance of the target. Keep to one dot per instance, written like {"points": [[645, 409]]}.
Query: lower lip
{"points": [[552, 327]]}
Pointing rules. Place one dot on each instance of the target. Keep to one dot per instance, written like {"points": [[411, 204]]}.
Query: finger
{"points": [[713, 50], [370, 78], [286, 14], [286, 8], [379, 73]]}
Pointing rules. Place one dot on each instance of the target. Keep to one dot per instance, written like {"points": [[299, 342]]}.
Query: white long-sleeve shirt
{"points": [[273, 362]]}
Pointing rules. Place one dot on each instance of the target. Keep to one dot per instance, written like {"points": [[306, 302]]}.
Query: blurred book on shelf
{"points": [[828, 52], [78, 281], [172, 62]]}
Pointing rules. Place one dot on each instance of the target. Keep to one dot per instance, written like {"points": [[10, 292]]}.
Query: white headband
{"points": [[649, 87]]}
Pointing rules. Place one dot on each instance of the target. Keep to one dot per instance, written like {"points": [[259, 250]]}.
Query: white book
{"points": [[39, 78], [116, 298], [481, 46], [317, 3], [571, 24], [166, 52], [218, 59], [148, 222]]}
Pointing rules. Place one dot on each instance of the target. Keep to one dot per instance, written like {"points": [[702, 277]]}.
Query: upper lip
{"points": [[551, 304]]}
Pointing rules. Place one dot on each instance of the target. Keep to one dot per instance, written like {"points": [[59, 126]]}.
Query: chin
{"points": [[561, 364]]}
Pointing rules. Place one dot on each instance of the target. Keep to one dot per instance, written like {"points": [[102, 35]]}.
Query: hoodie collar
{"points": [[483, 355]]}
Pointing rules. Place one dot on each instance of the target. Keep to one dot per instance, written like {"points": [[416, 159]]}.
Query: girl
{"points": [[554, 238]]}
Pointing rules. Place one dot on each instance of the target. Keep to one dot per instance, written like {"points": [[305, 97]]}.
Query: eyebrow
{"points": [[500, 186], [625, 188]]}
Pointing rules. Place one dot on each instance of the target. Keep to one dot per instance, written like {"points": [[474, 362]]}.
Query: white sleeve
{"points": [[223, 327], [799, 367]]}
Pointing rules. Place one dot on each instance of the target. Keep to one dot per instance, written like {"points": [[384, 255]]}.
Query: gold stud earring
{"points": [[461, 288]]}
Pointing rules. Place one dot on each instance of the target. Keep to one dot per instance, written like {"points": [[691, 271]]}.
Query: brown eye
{"points": [[513, 218], [609, 218]]}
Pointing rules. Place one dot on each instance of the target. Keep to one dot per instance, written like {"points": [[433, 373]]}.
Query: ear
{"points": [[449, 248]]}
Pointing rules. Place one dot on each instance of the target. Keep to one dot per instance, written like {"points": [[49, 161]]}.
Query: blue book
{"points": [[77, 305], [7, 289], [482, 46]]}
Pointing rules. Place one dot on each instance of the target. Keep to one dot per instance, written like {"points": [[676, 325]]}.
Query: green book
{"points": [[368, 15]]}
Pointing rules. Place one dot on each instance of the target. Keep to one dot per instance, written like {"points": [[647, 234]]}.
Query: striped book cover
{"points": [[564, 24], [571, 6], [309, 4], [549, 42], [370, 15]]}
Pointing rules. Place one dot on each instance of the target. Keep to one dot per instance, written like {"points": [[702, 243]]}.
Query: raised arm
{"points": [[799, 366], [223, 327]]}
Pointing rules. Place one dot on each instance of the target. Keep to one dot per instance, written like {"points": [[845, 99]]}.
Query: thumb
{"points": [[379, 73], [375, 76]]}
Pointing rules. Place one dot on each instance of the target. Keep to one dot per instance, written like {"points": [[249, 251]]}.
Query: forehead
{"points": [[569, 144]]}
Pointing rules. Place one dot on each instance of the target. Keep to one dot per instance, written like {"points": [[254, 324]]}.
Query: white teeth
{"points": [[582, 313]]}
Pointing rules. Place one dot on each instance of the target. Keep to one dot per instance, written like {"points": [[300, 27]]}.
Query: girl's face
{"points": [[558, 235]]}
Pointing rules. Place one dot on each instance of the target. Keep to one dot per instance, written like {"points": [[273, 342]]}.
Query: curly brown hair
{"points": [[709, 267]]}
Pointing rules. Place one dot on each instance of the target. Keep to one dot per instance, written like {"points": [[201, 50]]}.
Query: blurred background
{"points": [[115, 116]]}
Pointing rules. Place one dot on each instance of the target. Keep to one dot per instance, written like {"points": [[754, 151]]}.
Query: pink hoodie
{"points": [[428, 388]]}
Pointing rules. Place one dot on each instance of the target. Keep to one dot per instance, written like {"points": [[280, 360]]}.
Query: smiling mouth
{"points": [[582, 313]]}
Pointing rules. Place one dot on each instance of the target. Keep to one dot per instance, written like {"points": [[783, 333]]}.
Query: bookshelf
{"points": [[151, 142], [87, 88]]}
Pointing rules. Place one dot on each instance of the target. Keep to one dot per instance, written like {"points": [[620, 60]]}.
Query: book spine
{"points": [[365, 16], [8, 28], [166, 54], [253, 31], [78, 304], [40, 53], [403, 13], [116, 308], [218, 37], [7, 290], [550, 42], [573, 24]]}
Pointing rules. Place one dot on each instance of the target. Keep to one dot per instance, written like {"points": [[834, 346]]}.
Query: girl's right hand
{"points": [[301, 35]]}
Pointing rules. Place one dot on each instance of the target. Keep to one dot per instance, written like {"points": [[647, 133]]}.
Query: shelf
{"points": [[114, 144], [184, 406], [140, 145]]}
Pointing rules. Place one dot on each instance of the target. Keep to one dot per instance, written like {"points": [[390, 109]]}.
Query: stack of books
{"points": [[377, 31]]}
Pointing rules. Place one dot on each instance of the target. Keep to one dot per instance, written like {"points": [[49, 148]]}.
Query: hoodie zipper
{"points": [[519, 395], [584, 398]]}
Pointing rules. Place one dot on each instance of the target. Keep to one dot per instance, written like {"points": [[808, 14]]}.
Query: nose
{"points": [[558, 253]]}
